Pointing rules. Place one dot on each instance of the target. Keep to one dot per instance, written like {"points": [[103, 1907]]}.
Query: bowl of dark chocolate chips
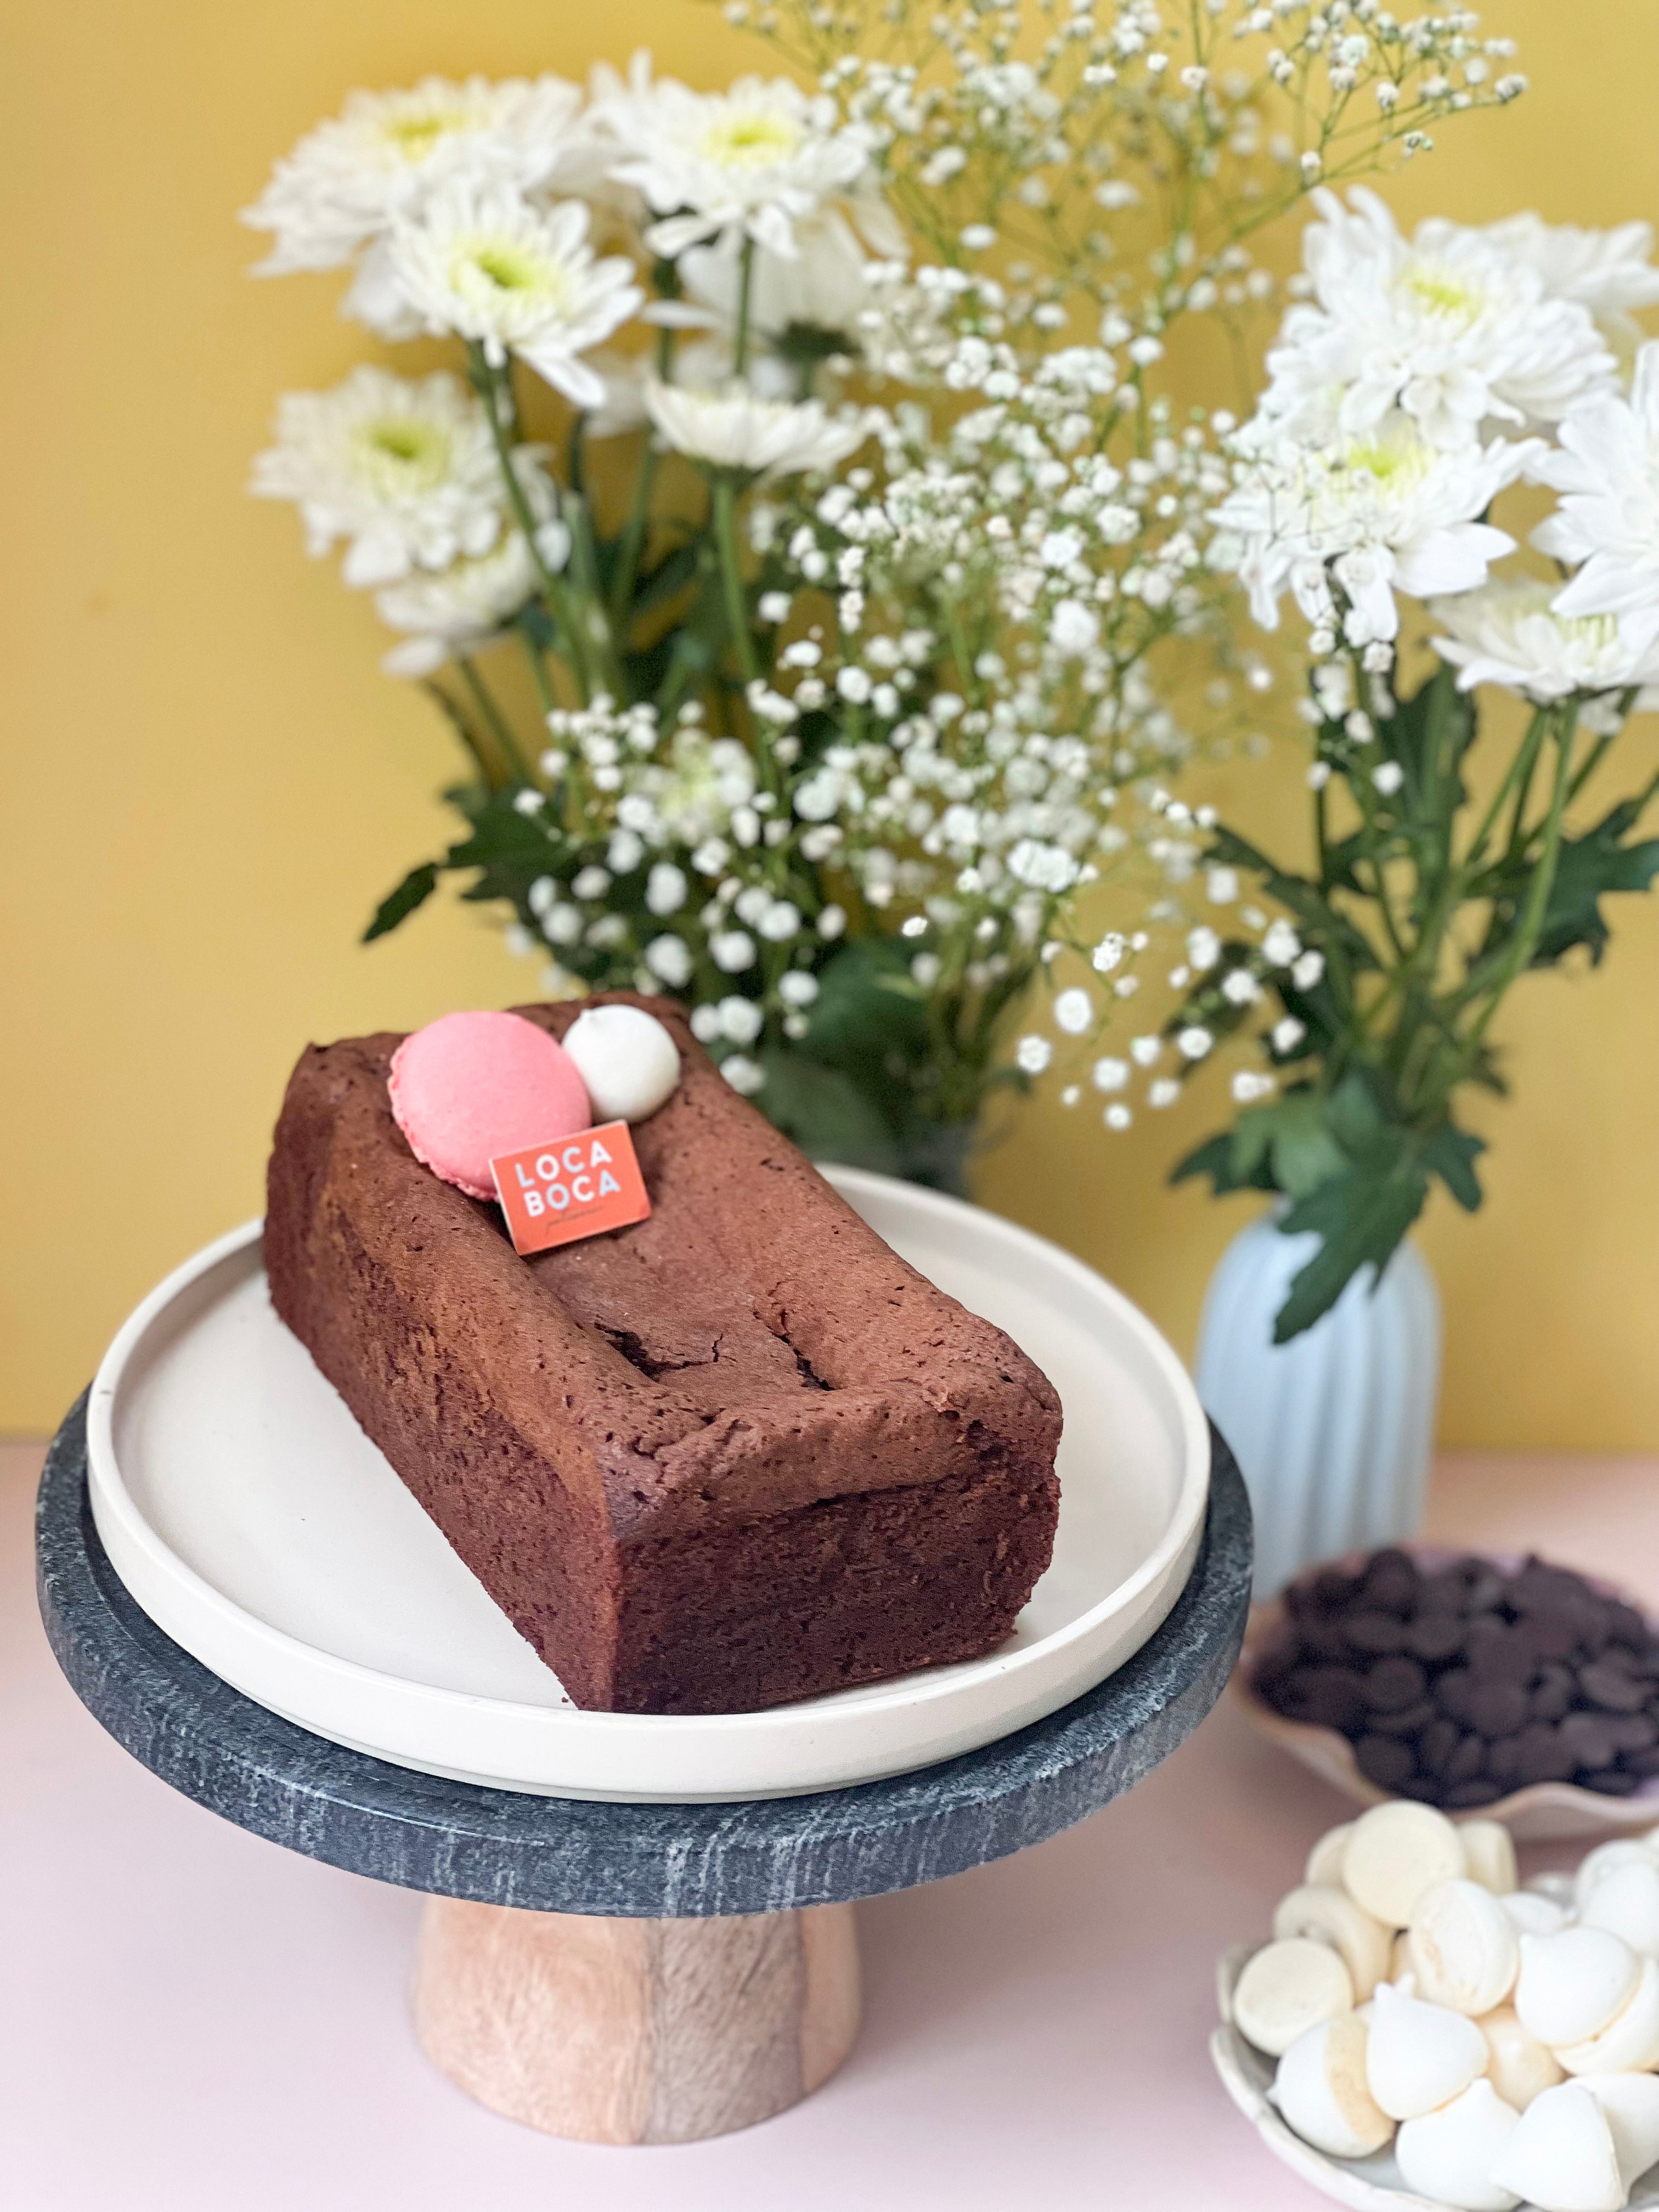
{"points": [[1503, 1686]]}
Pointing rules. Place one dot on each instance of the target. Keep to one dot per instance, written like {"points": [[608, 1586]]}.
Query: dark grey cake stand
{"points": [[628, 1973]]}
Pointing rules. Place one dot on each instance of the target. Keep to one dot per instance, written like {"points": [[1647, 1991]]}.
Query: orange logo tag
{"points": [[575, 1187]]}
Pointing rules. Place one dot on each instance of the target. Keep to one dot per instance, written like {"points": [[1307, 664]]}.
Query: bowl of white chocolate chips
{"points": [[1421, 2031]]}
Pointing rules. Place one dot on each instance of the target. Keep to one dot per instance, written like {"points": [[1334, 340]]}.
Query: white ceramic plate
{"points": [[1367, 2185], [253, 1521], [1543, 1813]]}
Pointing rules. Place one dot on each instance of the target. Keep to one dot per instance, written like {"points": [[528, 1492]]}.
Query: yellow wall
{"points": [[208, 783]]}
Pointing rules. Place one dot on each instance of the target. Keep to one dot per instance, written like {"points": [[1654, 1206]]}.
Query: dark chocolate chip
{"points": [[1590, 1738], [1332, 1590], [1394, 1684], [1476, 1792], [1385, 1760], [1554, 1634], [1391, 1582], [1321, 1639], [1452, 1690], [1483, 1587], [1608, 1781], [1497, 1709], [1434, 1636], [1500, 1653], [1443, 1591], [1376, 1632], [1554, 1691], [1467, 1760], [1423, 1787], [1541, 1754], [1593, 1627], [1625, 1626], [1612, 1688], [1643, 1763], [1324, 1696], [1411, 1720], [1438, 1741]]}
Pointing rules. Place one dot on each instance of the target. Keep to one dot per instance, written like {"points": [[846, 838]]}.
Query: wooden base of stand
{"points": [[636, 2030]]}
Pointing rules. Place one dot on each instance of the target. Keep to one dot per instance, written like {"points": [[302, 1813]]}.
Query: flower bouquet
{"points": [[814, 561], [1420, 382]]}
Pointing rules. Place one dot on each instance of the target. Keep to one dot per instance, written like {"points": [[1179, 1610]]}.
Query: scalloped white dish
{"points": [[255, 1524], [1367, 2185], [1543, 1812]]}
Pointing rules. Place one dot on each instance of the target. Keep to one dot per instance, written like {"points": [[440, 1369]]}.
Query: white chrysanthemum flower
{"points": [[1448, 326], [485, 264], [345, 184], [755, 160], [1606, 471], [734, 429], [404, 469], [459, 609], [822, 286], [1372, 515], [1610, 272], [1510, 633]]}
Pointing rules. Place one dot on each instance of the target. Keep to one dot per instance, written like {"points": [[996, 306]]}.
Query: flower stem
{"points": [[731, 584], [632, 542], [745, 288], [499, 727]]}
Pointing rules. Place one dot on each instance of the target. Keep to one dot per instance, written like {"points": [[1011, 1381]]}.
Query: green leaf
{"points": [[1361, 1218], [1306, 1150], [865, 1007], [1354, 1116], [1451, 1153], [416, 888], [672, 574], [824, 1111], [508, 849], [1217, 1158], [1588, 869], [1321, 922]]}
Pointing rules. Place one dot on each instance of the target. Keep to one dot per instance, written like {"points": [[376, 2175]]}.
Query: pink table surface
{"points": [[194, 2020]]}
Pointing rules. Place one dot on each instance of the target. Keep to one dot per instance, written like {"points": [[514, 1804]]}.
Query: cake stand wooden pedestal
{"points": [[630, 1973]]}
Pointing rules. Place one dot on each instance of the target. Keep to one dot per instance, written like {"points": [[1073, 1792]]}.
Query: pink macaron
{"points": [[468, 1087]]}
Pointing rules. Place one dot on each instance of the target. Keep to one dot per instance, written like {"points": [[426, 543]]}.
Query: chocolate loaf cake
{"points": [[735, 1454]]}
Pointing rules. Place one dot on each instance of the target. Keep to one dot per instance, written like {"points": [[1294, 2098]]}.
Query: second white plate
{"points": [[255, 1524]]}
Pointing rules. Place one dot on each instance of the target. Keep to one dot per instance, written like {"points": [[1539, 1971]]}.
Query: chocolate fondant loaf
{"points": [[735, 1454]]}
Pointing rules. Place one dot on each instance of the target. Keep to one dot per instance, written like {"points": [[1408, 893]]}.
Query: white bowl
{"points": [[1543, 1813], [254, 1523], [1369, 2185]]}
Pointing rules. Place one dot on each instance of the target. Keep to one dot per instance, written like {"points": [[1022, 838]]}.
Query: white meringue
{"points": [[1522, 2067], [1464, 1949], [1534, 1914], [1572, 1983], [1630, 2106], [1561, 2156], [1419, 2056], [1395, 1852], [1449, 2155], [1628, 2044], [1320, 2089], [1605, 1859], [626, 1058], [1325, 1859], [1288, 1988], [1556, 1886], [1625, 1902], [1330, 1916], [1490, 1853]]}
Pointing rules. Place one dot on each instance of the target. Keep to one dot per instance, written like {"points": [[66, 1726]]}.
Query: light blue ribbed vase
{"points": [[1334, 1430]]}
